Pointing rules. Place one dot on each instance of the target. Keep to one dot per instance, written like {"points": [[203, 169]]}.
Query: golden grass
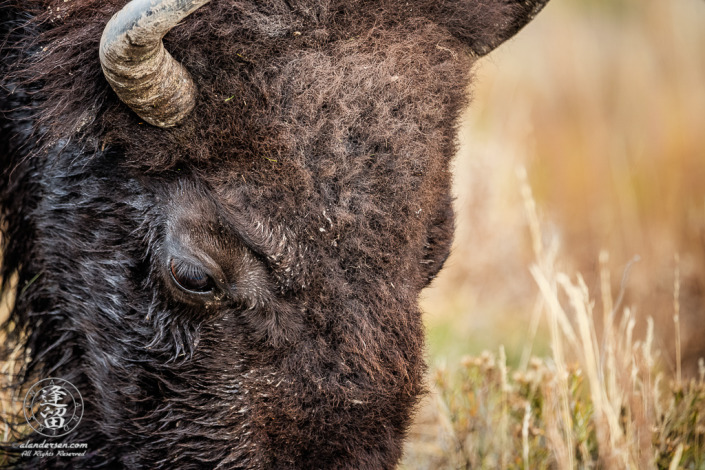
{"points": [[599, 401], [603, 103]]}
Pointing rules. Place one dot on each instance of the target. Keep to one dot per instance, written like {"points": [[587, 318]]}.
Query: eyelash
{"points": [[190, 278]]}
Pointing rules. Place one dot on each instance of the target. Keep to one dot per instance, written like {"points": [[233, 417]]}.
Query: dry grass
{"points": [[603, 103], [599, 401], [543, 418], [8, 367]]}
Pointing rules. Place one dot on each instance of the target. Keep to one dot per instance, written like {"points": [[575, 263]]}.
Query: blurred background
{"points": [[603, 103]]}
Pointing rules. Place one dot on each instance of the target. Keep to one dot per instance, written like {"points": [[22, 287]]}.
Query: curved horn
{"points": [[142, 73]]}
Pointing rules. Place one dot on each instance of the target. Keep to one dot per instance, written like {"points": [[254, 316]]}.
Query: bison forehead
{"points": [[328, 152], [324, 154], [329, 121]]}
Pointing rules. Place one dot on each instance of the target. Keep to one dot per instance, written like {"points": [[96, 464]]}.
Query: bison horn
{"points": [[142, 73]]}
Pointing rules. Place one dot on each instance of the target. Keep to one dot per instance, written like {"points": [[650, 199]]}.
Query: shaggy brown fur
{"points": [[313, 180]]}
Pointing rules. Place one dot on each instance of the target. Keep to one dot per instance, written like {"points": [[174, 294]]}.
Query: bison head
{"points": [[238, 290]]}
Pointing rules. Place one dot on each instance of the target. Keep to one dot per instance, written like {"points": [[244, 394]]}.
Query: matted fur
{"points": [[314, 173]]}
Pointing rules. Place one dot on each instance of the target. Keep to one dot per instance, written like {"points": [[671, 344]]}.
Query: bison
{"points": [[219, 240]]}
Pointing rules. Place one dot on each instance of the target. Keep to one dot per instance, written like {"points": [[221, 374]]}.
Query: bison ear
{"points": [[485, 24]]}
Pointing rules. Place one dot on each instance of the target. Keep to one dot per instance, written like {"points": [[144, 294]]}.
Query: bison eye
{"points": [[190, 278]]}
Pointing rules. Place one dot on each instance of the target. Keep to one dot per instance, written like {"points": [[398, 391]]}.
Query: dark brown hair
{"points": [[311, 184]]}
